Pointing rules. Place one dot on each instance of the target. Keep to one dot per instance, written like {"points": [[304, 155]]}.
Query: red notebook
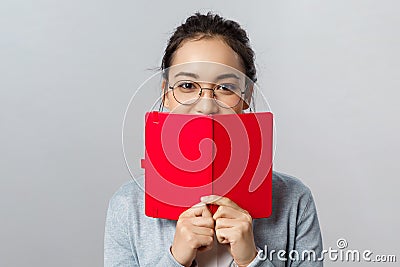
{"points": [[189, 156]]}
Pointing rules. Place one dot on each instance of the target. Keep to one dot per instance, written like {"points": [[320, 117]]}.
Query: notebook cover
{"points": [[189, 156]]}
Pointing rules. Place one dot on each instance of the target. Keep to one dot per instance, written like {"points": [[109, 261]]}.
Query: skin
{"points": [[194, 54], [196, 227]]}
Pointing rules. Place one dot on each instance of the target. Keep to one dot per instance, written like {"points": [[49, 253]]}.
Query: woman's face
{"points": [[208, 61]]}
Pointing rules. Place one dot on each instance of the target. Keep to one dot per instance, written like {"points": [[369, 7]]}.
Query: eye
{"points": [[228, 88], [187, 85]]}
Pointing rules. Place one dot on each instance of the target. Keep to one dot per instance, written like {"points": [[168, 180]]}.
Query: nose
{"points": [[206, 104]]}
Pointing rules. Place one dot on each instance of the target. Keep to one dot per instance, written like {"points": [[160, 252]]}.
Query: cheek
{"points": [[181, 109], [176, 107], [239, 108]]}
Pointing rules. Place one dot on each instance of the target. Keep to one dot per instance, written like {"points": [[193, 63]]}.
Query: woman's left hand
{"points": [[234, 227]]}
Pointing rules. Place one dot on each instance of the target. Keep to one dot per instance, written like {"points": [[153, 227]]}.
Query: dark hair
{"points": [[210, 25]]}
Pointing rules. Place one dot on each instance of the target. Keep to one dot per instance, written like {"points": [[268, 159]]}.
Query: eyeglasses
{"points": [[226, 95]]}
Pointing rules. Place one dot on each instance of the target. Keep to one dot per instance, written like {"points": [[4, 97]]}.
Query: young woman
{"points": [[231, 237]]}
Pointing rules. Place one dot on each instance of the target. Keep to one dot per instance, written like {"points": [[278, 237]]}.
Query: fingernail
{"points": [[200, 204], [204, 198], [210, 198]]}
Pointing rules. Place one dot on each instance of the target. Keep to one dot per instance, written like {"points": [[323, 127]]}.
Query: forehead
{"points": [[204, 71], [207, 57]]}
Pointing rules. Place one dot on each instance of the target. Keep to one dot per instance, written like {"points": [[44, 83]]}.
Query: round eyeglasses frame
{"points": [[174, 86]]}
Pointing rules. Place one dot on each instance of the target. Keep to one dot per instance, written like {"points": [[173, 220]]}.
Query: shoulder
{"points": [[286, 183], [130, 189], [127, 197], [290, 194]]}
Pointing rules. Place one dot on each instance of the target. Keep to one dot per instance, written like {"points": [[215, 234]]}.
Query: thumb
{"points": [[201, 209]]}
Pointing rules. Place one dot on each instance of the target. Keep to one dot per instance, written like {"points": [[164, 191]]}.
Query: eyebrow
{"points": [[189, 74], [220, 77], [228, 75]]}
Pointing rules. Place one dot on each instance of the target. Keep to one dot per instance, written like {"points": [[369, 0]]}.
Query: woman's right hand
{"points": [[194, 232]]}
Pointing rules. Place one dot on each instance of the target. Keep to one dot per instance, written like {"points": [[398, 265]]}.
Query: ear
{"points": [[164, 94], [247, 97]]}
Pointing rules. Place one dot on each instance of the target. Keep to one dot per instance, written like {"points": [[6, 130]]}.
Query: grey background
{"points": [[330, 70]]}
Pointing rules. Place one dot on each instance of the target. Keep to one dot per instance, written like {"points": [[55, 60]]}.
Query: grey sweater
{"points": [[289, 237]]}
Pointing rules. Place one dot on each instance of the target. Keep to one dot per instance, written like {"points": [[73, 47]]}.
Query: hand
{"points": [[234, 227], [194, 232]]}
